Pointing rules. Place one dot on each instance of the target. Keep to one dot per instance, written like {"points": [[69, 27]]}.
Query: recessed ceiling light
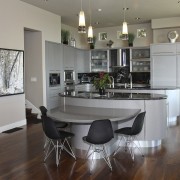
{"points": [[137, 18], [97, 22], [99, 10]]}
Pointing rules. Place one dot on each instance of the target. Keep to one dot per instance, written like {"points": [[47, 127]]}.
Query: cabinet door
{"points": [[178, 70], [163, 49], [163, 70], [69, 57], [82, 63], [53, 56]]}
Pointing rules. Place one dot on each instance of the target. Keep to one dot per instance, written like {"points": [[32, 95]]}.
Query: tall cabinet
{"points": [[54, 65], [163, 64], [99, 60]]}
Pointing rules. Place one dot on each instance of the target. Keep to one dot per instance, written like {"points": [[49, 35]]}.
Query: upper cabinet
{"points": [[54, 56], [69, 58], [140, 59], [82, 61], [99, 60], [164, 64], [165, 49]]}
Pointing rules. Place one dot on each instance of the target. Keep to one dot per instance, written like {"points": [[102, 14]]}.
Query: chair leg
{"points": [[92, 159], [70, 153], [106, 157], [118, 147], [57, 154], [48, 152], [139, 147]]}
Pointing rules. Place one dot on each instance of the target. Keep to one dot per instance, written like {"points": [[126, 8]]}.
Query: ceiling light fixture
{"points": [[90, 29], [82, 25], [125, 27]]}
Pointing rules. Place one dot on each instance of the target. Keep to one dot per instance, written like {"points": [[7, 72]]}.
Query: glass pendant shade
{"points": [[90, 34], [124, 28], [81, 28]]}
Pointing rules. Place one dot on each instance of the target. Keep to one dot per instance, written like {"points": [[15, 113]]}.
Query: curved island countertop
{"points": [[86, 115], [115, 96]]}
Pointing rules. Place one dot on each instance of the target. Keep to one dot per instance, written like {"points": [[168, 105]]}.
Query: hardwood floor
{"points": [[21, 157]]}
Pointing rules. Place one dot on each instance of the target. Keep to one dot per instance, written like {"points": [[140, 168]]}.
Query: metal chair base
{"points": [[102, 151], [58, 146], [129, 144]]}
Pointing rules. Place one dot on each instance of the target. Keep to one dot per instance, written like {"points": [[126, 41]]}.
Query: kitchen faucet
{"points": [[112, 84], [130, 77]]}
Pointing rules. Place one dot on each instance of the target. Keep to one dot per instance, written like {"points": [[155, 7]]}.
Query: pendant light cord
{"points": [[81, 5], [90, 12]]}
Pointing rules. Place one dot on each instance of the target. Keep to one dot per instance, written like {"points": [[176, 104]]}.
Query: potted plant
{"points": [[102, 82], [131, 38], [65, 36]]}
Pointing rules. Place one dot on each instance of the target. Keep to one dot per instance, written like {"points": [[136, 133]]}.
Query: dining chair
{"points": [[100, 133], [129, 134], [57, 139]]}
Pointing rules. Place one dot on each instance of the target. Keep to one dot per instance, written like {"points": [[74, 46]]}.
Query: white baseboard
{"points": [[13, 125], [34, 108]]}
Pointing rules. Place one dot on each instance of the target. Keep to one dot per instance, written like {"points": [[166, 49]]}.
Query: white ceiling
{"points": [[112, 10]]}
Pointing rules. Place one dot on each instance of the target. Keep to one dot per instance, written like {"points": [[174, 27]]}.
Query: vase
{"points": [[101, 91]]}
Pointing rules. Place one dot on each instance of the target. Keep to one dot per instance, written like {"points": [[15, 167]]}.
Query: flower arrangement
{"points": [[103, 81]]}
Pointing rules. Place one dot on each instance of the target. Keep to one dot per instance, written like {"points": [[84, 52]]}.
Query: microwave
{"points": [[54, 79]]}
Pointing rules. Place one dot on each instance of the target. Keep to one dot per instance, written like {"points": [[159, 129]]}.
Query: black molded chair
{"points": [[100, 133], [130, 133], [57, 123], [57, 139]]}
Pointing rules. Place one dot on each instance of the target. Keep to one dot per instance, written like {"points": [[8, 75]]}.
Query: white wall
{"points": [[81, 39], [162, 26], [112, 35], [14, 17]]}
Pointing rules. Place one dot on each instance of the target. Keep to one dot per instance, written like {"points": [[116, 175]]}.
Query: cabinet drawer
{"points": [[165, 49], [54, 92]]}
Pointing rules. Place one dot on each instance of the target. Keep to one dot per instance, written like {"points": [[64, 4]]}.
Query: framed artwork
{"points": [[102, 36], [141, 33], [11, 72], [121, 36]]}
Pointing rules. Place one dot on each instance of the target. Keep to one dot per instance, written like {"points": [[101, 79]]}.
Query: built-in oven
{"points": [[54, 79], [69, 75], [69, 80]]}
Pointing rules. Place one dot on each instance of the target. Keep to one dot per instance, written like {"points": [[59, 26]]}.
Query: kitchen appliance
{"points": [[69, 80], [119, 57], [54, 79]]}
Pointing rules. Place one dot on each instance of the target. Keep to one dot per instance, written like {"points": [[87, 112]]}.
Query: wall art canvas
{"points": [[102, 36], [141, 33], [11, 72]]}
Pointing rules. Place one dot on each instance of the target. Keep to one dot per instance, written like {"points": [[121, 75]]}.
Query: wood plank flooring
{"points": [[21, 157]]}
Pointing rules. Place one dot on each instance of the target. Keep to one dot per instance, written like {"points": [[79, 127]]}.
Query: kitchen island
{"points": [[172, 92], [155, 125]]}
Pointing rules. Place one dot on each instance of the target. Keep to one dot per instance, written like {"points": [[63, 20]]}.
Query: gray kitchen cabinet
{"points": [[163, 64], [54, 56], [178, 70], [82, 61], [69, 58]]}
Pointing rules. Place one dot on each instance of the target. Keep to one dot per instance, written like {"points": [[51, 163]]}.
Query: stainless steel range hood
{"points": [[120, 57]]}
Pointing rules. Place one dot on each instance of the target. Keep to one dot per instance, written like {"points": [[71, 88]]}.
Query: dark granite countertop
{"points": [[115, 96], [136, 87]]}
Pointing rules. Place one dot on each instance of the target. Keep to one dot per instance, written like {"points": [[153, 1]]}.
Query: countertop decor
{"points": [[102, 82]]}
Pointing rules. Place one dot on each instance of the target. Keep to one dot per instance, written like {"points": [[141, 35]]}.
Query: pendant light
{"points": [[82, 25], [124, 26], [90, 29]]}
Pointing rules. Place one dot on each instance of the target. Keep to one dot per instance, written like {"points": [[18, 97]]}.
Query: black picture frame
{"points": [[11, 72]]}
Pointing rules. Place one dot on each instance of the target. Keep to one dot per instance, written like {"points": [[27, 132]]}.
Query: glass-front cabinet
{"points": [[99, 60], [140, 59]]}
